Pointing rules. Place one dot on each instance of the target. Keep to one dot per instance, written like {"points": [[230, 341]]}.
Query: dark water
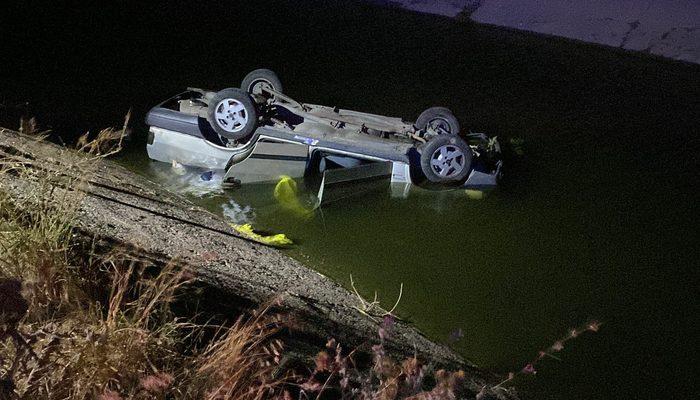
{"points": [[596, 220]]}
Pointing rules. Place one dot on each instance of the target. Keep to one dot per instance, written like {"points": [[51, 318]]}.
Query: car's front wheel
{"points": [[232, 114], [446, 159]]}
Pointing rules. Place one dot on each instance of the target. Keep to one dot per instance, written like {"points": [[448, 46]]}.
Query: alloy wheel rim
{"points": [[447, 161], [231, 115]]}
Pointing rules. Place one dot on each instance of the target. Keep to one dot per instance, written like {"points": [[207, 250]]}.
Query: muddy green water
{"points": [[596, 220]]}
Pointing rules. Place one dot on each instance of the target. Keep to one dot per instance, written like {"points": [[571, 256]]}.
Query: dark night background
{"points": [[82, 65], [86, 64]]}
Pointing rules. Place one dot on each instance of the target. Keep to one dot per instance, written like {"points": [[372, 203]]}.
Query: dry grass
{"points": [[243, 363], [34, 241], [107, 142], [28, 126], [136, 348], [93, 350]]}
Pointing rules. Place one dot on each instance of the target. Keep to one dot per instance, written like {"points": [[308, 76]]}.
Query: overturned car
{"points": [[257, 133]]}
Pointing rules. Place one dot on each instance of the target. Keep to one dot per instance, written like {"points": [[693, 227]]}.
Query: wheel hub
{"points": [[231, 115], [447, 161], [258, 86], [440, 125]]}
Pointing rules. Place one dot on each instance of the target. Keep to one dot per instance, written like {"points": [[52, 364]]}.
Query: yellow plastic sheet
{"points": [[279, 240], [286, 194]]}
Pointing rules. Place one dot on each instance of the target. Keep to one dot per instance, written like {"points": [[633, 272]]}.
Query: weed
{"points": [[243, 363], [107, 142], [35, 238], [372, 308], [530, 367]]}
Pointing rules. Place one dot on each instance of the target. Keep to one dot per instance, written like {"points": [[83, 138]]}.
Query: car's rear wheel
{"points": [[446, 159], [256, 81], [439, 119], [232, 114]]}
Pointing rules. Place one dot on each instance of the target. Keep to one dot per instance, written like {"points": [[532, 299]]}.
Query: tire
{"points": [[254, 80], [446, 159], [439, 117], [232, 114]]}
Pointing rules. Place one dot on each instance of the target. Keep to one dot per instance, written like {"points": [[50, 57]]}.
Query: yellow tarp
{"points": [[279, 240], [286, 194]]}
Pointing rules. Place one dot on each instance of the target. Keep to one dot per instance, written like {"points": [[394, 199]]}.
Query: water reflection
{"points": [[238, 214]]}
